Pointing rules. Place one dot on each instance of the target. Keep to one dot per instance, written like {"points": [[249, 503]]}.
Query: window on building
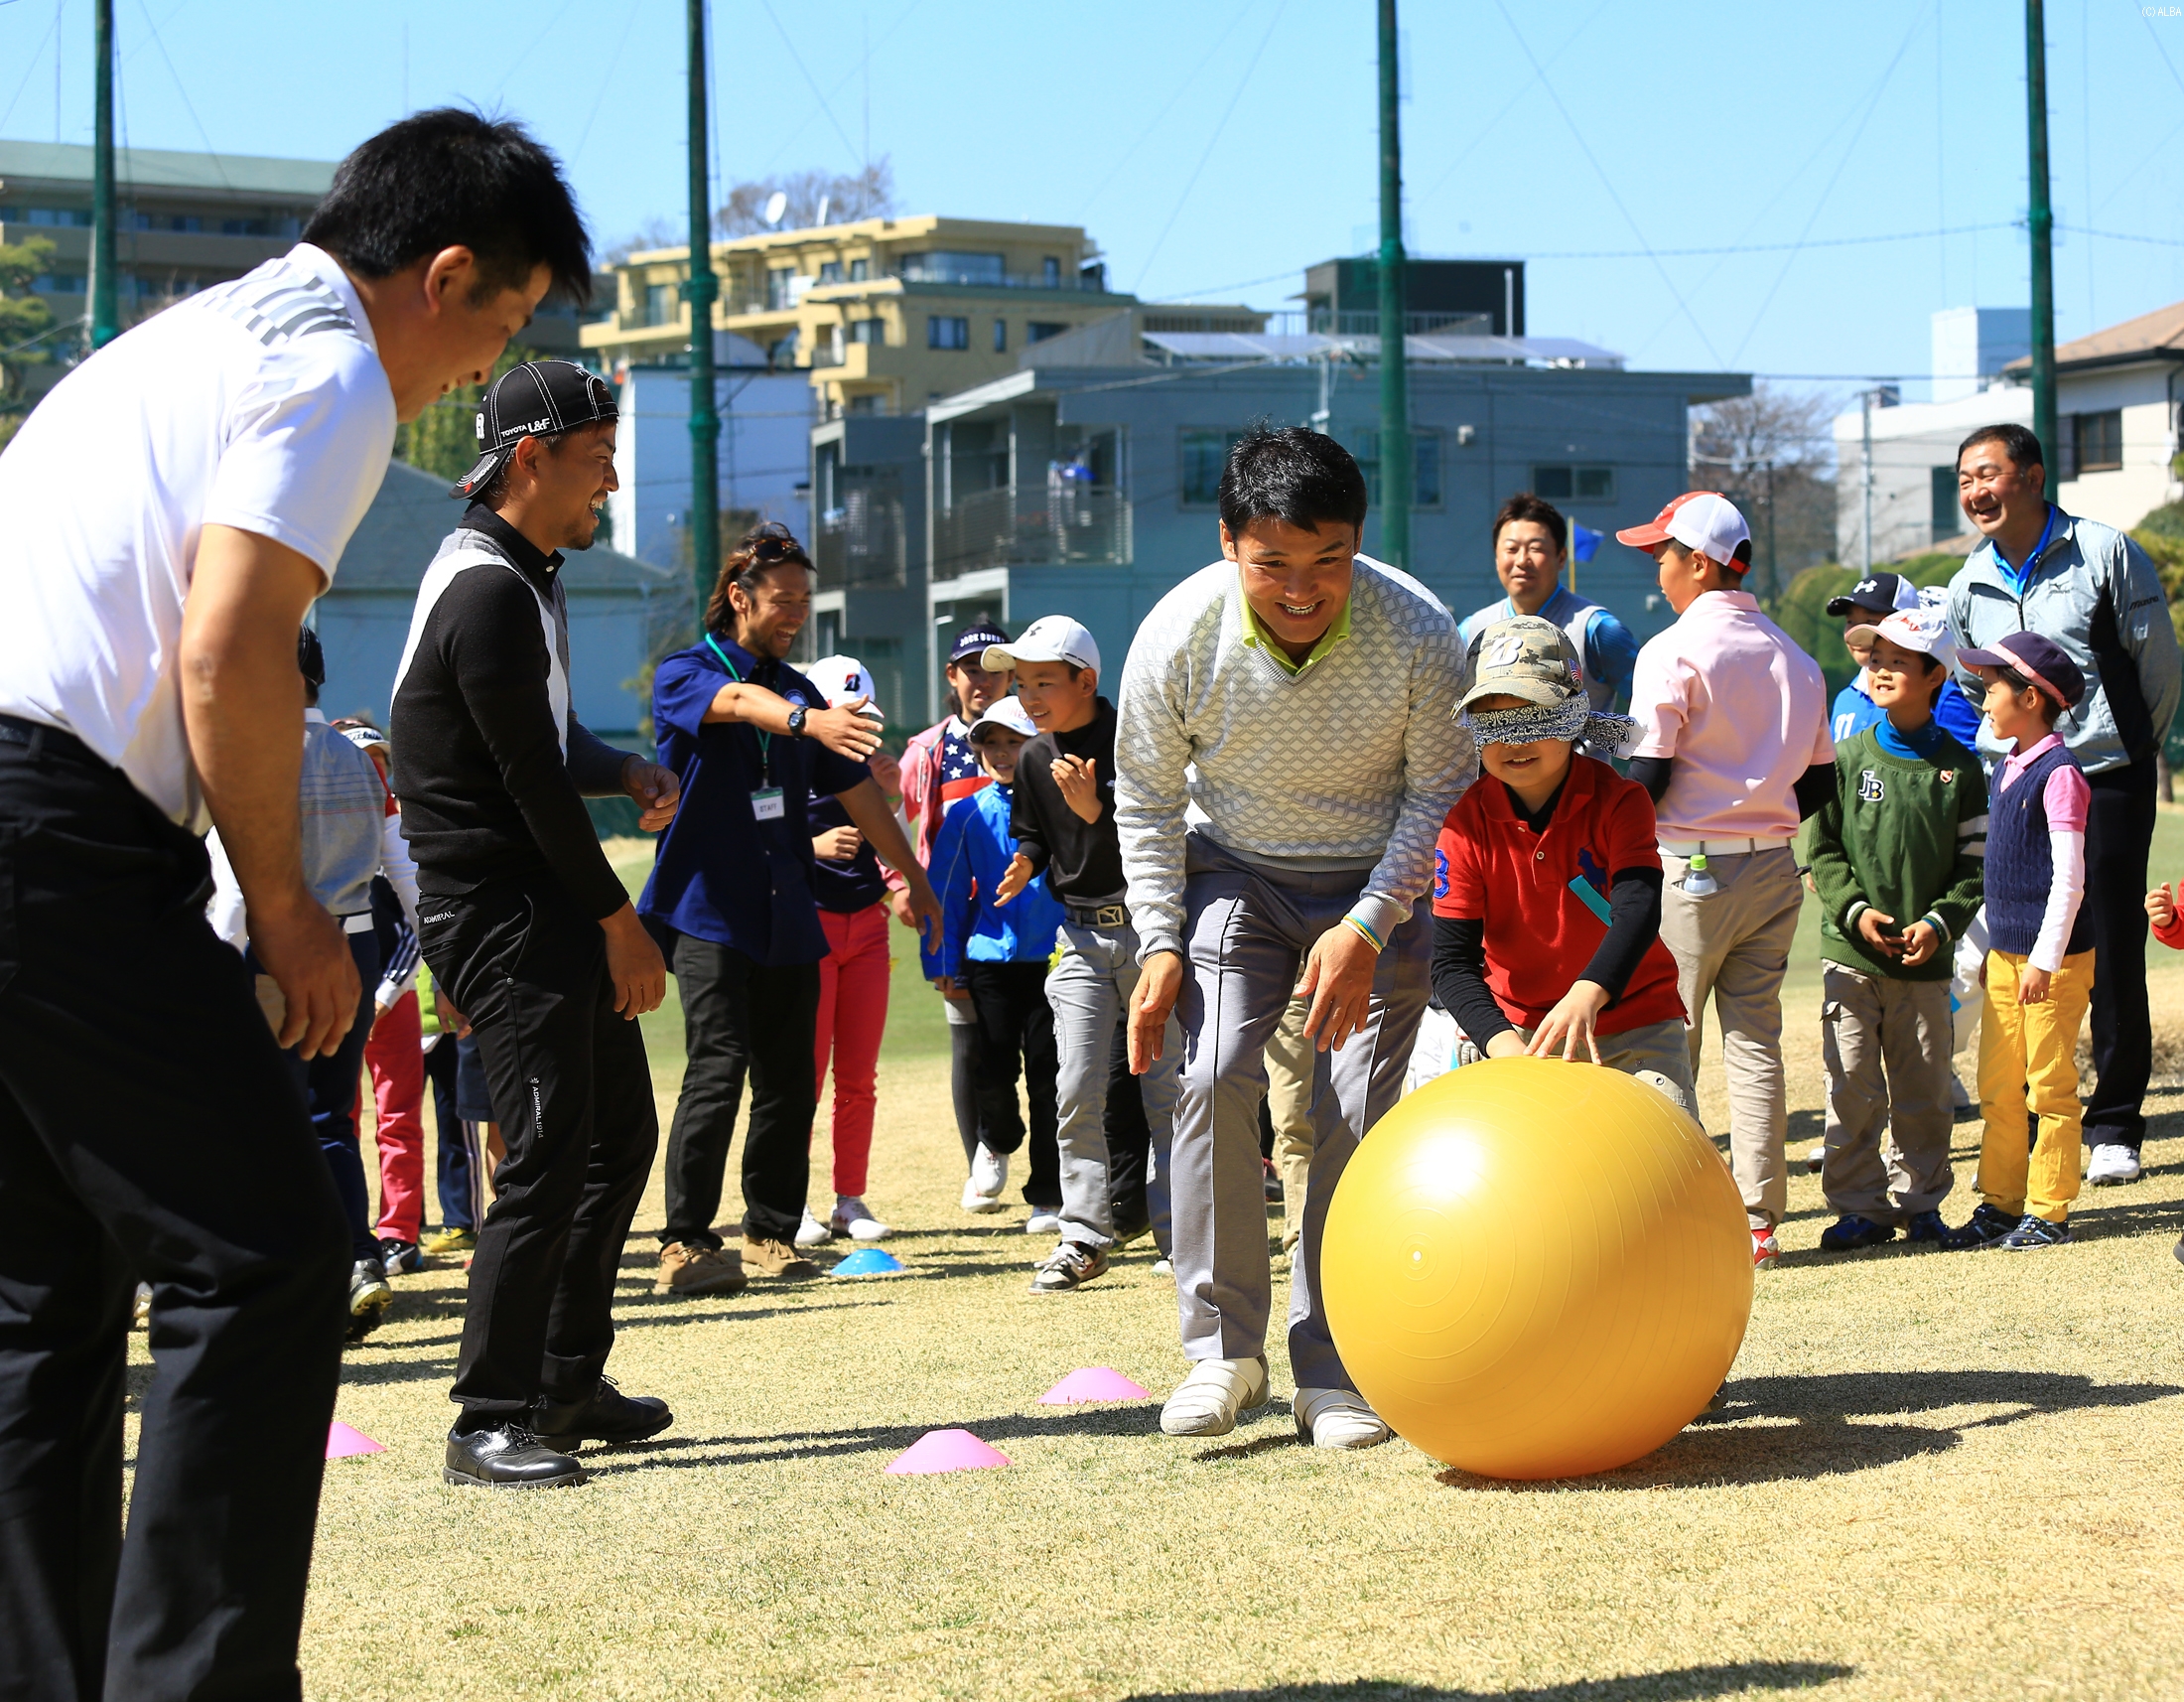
{"points": [[864, 404], [1001, 335], [1039, 329], [947, 331], [777, 281], [659, 303], [1948, 514], [59, 215], [860, 271], [59, 284], [2098, 441], [1205, 452], [247, 227], [830, 271], [1575, 484], [1051, 272], [948, 266], [781, 351], [1364, 447], [867, 331]]}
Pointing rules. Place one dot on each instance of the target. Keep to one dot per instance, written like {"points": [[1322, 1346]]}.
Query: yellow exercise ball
{"points": [[1537, 1269]]}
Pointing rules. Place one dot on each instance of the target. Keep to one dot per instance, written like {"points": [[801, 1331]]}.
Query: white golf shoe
{"points": [[1213, 1397], [1336, 1418]]}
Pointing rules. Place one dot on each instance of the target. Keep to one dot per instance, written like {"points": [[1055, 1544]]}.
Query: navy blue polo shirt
{"points": [[721, 873]]}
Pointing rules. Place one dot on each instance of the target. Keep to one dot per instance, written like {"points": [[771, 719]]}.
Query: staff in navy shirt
{"points": [[731, 902]]}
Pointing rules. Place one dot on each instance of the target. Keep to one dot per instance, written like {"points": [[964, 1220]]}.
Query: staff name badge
{"points": [[766, 804]]}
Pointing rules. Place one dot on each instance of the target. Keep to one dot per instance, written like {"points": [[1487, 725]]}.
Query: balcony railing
{"points": [[1058, 523], [863, 541]]}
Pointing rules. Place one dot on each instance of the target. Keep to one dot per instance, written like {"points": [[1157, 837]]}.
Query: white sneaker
{"points": [[1336, 1418], [989, 1170], [1166, 1267], [850, 1218], [978, 1203], [812, 1233], [1213, 1397], [2110, 1165], [1044, 1220], [1817, 1160]]}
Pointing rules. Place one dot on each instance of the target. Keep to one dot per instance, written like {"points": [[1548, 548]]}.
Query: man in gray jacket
{"points": [[2096, 594]]}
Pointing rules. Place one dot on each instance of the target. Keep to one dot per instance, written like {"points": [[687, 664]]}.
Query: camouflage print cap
{"points": [[1527, 657]]}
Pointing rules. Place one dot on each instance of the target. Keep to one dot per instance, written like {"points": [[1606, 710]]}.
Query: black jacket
{"points": [[1081, 860], [484, 789]]}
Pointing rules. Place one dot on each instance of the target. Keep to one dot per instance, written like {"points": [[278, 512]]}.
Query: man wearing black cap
{"points": [[1867, 602], [529, 930]]}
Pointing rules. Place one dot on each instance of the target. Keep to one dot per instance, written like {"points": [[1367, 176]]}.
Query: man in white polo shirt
{"points": [[1733, 746], [173, 507]]}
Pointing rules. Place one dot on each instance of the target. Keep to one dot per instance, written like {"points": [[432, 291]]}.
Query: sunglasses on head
{"points": [[773, 542]]}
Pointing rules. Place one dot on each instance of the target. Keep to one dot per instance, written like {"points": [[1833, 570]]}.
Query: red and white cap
{"points": [[1701, 520]]}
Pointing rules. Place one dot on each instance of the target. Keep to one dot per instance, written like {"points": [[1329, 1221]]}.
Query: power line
{"points": [[37, 54], [811, 81], [210, 152], [1182, 88], [1598, 171], [1493, 124], [1213, 142], [605, 82]]}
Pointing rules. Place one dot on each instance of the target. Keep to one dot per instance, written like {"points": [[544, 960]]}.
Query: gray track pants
{"points": [[1088, 989], [1247, 929]]}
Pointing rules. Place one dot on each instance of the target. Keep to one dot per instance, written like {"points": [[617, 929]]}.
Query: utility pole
{"points": [[2041, 220], [1395, 388], [701, 292], [105, 295], [1866, 481]]}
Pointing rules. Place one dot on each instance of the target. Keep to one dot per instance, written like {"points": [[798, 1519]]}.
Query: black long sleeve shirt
{"points": [[1081, 860], [1459, 943], [477, 762]]}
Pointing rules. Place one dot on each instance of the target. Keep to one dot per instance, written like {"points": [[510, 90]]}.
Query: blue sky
{"points": [[1216, 147]]}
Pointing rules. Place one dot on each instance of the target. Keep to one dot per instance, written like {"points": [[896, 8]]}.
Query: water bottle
{"points": [[1698, 882]]}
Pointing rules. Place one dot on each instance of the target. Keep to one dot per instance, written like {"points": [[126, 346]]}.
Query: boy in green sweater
{"points": [[1896, 857]]}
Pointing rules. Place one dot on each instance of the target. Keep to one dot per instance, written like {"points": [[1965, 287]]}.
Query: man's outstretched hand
{"points": [[656, 789]]}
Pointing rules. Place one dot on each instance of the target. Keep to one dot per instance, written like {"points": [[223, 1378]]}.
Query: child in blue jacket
{"points": [[1001, 956]]}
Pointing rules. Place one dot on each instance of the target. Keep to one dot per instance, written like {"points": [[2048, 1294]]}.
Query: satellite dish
{"points": [[824, 202], [777, 205]]}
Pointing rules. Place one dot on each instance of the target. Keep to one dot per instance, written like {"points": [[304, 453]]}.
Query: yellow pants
{"points": [[2033, 1046]]}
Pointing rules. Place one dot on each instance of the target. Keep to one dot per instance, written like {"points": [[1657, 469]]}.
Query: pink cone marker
{"points": [[1093, 1383], [341, 1441], [945, 1450]]}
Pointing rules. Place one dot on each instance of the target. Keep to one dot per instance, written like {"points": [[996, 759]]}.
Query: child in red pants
{"points": [[852, 891]]}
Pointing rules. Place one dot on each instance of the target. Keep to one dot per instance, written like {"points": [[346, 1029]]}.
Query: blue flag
{"points": [[1584, 541]]}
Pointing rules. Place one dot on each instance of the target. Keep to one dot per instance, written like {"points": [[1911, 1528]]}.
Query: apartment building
{"points": [[1085, 481], [884, 315]]}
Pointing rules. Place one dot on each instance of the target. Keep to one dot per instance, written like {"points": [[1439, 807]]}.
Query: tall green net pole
{"points": [[1395, 388], [701, 292], [2041, 219], [105, 287]]}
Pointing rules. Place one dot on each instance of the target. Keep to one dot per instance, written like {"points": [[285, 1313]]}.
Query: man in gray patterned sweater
{"points": [[1284, 755]]}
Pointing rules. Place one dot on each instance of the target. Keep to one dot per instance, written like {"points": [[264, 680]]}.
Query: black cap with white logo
{"points": [[1879, 593], [536, 399]]}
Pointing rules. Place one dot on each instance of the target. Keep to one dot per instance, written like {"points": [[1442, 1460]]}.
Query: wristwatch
{"points": [[796, 721]]}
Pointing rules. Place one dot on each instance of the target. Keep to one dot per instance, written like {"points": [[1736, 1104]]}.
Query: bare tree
{"points": [[867, 194], [655, 232], [1772, 453]]}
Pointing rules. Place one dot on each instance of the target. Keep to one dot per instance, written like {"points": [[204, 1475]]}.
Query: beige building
{"points": [[886, 315]]}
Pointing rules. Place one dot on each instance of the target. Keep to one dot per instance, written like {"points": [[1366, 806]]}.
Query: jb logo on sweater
{"points": [[1870, 787]]}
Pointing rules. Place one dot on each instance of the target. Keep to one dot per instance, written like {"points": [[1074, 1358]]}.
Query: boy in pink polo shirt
{"points": [[1733, 748]]}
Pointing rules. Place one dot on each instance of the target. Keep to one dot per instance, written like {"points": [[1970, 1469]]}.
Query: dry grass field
{"points": [[1937, 1476]]}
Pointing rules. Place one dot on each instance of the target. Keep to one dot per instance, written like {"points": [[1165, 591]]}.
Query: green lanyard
{"points": [[765, 739]]}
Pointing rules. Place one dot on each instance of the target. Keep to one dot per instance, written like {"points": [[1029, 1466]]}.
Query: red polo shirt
{"points": [[1540, 934]]}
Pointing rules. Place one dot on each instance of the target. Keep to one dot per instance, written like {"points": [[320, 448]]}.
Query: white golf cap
{"points": [[1006, 714], [1924, 628], [1050, 639], [1701, 520], [843, 678]]}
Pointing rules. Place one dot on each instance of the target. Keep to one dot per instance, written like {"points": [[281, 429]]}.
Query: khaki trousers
{"points": [[1290, 1106], [1657, 1049], [2033, 1046], [1732, 946], [1887, 1045]]}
